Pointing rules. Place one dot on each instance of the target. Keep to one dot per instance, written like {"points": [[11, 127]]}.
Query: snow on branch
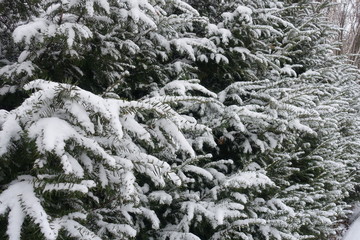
{"points": [[21, 200]]}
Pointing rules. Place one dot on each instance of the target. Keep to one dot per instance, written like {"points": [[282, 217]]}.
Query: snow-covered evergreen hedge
{"points": [[153, 119]]}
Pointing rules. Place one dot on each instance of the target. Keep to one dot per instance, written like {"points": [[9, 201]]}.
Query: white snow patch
{"points": [[248, 180], [161, 197], [354, 231], [20, 198], [10, 131], [83, 187]]}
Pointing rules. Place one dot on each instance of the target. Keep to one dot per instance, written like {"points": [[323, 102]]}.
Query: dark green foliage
{"points": [[18, 161]]}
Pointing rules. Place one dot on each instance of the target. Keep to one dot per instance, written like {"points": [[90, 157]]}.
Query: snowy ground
{"points": [[354, 231]]}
